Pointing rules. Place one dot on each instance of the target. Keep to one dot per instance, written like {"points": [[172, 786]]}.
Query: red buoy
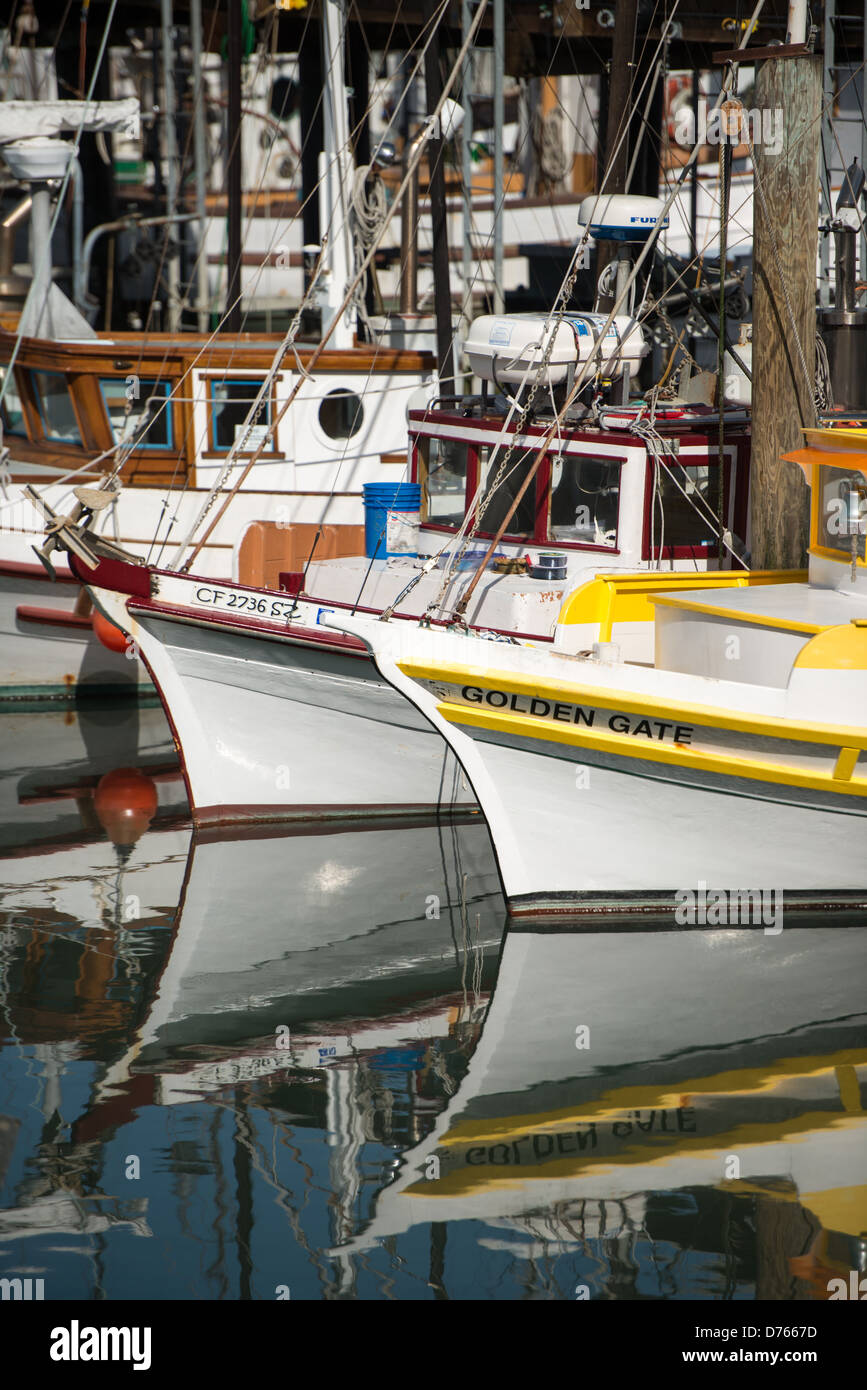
{"points": [[109, 635], [125, 802]]}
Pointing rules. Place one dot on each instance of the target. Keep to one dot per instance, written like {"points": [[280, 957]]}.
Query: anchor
{"points": [[65, 532]]}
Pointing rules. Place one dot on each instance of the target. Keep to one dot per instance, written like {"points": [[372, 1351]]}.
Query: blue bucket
{"points": [[391, 518]]}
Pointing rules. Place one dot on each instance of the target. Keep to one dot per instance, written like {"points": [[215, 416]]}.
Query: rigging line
{"points": [[412, 165], [236, 345], [646, 430], [714, 523], [182, 302], [622, 135], [198, 100], [315, 191], [353, 133], [226, 469], [45, 251], [66, 477], [480, 502], [251, 417], [581, 376], [58, 37]]}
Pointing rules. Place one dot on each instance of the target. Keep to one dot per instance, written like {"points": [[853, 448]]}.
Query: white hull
{"points": [[272, 729], [43, 659], [573, 830], [582, 812]]}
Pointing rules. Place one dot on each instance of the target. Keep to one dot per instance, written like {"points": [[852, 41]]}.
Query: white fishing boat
{"points": [[730, 759], [165, 421], [277, 717]]}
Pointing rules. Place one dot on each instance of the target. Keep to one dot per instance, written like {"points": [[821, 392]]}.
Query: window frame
{"points": [[168, 448], [541, 535], [209, 381], [843, 555], [78, 443], [709, 459], [24, 432]]}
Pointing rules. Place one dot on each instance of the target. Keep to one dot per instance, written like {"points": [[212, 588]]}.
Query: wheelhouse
{"points": [[619, 496]]}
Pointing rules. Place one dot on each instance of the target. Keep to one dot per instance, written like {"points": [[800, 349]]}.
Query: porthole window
{"points": [[341, 414]]}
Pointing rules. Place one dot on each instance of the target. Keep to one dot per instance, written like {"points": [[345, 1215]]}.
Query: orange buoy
{"points": [[109, 635], [125, 802]]}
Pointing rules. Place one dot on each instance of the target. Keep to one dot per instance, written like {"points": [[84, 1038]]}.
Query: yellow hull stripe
{"points": [[678, 756], [480, 1177], [614, 1105], [568, 692]]}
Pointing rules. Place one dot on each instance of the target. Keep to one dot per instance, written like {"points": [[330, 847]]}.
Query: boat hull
{"points": [[615, 786], [579, 834], [276, 726], [48, 651]]}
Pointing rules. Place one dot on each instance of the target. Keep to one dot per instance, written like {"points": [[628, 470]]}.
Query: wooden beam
{"points": [[784, 259]]}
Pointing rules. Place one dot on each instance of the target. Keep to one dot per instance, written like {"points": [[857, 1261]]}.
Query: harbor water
{"points": [[315, 1062]]}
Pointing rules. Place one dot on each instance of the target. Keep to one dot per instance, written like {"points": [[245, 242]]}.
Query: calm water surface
{"points": [[318, 1064]]}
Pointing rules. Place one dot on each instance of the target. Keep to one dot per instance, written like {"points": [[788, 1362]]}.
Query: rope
{"points": [[368, 206], [549, 145]]}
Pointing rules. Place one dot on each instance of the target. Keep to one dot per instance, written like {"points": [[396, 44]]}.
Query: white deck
{"points": [[772, 604]]}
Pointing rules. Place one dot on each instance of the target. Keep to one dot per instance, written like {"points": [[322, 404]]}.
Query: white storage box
{"points": [[500, 348]]}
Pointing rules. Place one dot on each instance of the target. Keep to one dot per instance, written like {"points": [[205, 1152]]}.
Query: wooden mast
{"points": [[785, 246]]}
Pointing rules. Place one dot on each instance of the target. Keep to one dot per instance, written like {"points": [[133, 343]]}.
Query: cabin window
{"points": [[442, 473], [585, 499], [55, 407], [138, 410], [684, 506], [230, 403], [341, 414], [13, 410], [522, 522], [842, 510]]}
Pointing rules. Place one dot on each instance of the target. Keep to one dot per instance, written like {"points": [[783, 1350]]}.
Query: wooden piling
{"points": [[788, 97]]}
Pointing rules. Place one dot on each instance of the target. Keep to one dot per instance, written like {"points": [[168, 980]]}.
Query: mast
{"points": [[499, 178], [200, 160], [466, 177], [233, 288], [437, 201], [335, 179], [785, 247], [170, 134]]}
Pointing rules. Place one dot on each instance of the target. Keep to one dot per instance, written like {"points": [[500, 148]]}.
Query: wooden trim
{"points": [[121, 353], [51, 617], [18, 569]]}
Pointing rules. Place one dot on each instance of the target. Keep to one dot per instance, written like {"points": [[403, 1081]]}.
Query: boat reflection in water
{"points": [[315, 1066], [653, 1101]]}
